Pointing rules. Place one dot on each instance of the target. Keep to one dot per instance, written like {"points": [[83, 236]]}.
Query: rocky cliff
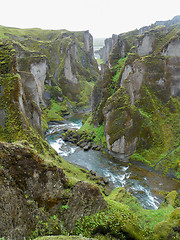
{"points": [[139, 96], [108, 46], [54, 71], [35, 194]]}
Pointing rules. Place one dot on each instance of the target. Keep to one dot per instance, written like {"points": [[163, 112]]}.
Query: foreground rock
{"points": [[170, 228], [32, 195], [86, 199]]}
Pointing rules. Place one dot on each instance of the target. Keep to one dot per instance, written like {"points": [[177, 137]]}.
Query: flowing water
{"points": [[143, 184]]}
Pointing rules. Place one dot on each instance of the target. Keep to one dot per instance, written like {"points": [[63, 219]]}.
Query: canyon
{"points": [[47, 75]]}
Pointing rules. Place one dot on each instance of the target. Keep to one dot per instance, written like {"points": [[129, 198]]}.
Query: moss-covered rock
{"points": [[86, 200], [171, 199], [28, 196], [61, 60], [169, 229], [116, 221], [63, 238], [36, 196], [121, 195]]}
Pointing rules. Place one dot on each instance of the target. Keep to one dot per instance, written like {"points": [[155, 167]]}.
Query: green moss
{"points": [[62, 238], [163, 37], [146, 219], [86, 90], [119, 104], [117, 72], [9, 102], [96, 133], [52, 226], [116, 221], [121, 195], [53, 45], [169, 229], [171, 199], [55, 112]]}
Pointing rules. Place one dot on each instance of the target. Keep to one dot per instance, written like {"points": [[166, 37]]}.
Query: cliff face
{"points": [[51, 67], [139, 96], [108, 46]]}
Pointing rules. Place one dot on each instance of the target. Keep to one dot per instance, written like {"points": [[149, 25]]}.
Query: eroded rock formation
{"points": [[140, 90]]}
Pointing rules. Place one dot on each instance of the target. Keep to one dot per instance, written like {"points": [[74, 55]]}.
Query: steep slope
{"points": [[34, 193], [68, 71], [138, 97], [51, 73]]}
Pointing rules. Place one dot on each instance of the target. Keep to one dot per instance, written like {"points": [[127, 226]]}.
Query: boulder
{"points": [[27, 186], [86, 200], [87, 147], [169, 229], [171, 199]]}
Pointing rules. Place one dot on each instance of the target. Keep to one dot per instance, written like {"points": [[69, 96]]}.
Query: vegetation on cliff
{"points": [[138, 100], [71, 67], [42, 194]]}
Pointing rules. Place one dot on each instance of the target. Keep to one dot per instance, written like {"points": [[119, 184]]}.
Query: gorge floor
{"points": [[148, 187]]}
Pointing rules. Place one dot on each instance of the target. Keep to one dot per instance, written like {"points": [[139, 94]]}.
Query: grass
{"points": [[36, 33], [55, 111], [147, 219], [61, 238], [86, 91], [98, 132]]}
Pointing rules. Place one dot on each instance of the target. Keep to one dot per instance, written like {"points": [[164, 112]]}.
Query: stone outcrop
{"points": [[171, 199], [107, 49], [172, 48], [117, 46], [146, 45], [26, 185], [88, 42], [168, 23], [68, 69], [39, 71], [133, 79], [86, 199], [31, 192]]}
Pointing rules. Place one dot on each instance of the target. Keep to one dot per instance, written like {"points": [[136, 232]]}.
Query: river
{"points": [[145, 185]]}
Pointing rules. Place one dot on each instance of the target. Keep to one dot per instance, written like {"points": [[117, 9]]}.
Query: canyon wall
{"points": [[51, 67], [139, 94]]}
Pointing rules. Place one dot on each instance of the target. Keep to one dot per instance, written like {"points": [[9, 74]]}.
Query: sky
{"points": [[101, 17]]}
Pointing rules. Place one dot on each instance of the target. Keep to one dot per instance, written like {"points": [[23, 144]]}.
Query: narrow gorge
{"points": [[76, 138]]}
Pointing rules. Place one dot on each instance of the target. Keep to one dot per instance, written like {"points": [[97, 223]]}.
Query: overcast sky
{"points": [[101, 17]]}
